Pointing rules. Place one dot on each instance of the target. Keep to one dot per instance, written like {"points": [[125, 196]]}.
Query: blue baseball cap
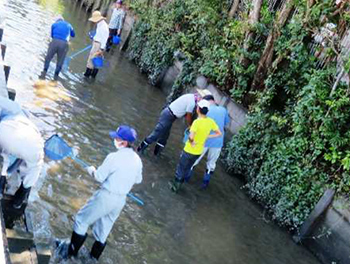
{"points": [[124, 133]]}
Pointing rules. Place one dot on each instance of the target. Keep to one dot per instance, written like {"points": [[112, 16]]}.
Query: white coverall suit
{"points": [[21, 138], [118, 173]]}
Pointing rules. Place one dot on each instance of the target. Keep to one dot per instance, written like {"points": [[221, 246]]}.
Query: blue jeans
{"points": [[185, 164]]}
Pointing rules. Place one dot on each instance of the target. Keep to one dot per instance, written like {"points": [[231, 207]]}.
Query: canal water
{"points": [[216, 226]]}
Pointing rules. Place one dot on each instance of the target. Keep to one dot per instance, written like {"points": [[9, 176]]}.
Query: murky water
{"points": [[219, 225]]}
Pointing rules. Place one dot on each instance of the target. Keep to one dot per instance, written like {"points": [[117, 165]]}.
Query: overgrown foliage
{"points": [[297, 140], [201, 31]]}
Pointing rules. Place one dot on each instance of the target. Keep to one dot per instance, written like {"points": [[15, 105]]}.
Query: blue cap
{"points": [[124, 133]]}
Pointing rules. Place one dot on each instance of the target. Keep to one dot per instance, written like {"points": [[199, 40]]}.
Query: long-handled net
{"points": [[68, 59], [57, 149]]}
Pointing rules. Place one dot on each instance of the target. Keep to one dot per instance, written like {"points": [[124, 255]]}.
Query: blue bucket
{"points": [[98, 62], [116, 40]]}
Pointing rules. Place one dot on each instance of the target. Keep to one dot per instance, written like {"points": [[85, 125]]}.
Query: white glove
{"points": [[91, 170]]}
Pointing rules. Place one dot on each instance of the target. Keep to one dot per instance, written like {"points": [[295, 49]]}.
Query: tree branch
{"points": [[266, 58], [233, 9]]}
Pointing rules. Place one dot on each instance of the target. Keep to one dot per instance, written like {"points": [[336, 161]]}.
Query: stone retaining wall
{"points": [[330, 238]]}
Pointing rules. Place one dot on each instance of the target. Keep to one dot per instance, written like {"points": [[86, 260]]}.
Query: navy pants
{"points": [[112, 33], [59, 47], [185, 164], [162, 130]]}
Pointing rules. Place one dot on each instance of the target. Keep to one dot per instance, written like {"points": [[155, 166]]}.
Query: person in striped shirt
{"points": [[116, 23]]}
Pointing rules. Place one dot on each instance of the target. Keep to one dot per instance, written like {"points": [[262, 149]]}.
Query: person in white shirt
{"points": [[117, 175], [98, 43], [21, 138], [183, 106]]}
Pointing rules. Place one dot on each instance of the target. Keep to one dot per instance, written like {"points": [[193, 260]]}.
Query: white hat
{"points": [[203, 104], [203, 92], [59, 17], [96, 17]]}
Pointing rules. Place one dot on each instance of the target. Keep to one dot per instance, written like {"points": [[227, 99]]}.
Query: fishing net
{"points": [[56, 148]]}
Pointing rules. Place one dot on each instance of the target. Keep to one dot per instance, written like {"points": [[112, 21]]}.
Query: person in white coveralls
{"points": [[117, 175], [20, 138]]}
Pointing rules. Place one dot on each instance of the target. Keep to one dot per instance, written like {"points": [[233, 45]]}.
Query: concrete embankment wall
{"points": [[329, 239]]}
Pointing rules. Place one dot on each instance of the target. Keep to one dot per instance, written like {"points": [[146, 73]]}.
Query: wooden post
{"points": [[311, 221], [233, 9]]}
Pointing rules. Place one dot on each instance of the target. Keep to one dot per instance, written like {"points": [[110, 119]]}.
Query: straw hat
{"points": [[203, 92], [96, 17]]}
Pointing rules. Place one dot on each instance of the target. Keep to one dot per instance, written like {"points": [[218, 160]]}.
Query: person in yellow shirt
{"points": [[199, 132]]}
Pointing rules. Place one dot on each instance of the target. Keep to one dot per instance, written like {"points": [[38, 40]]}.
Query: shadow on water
{"points": [[219, 225]]}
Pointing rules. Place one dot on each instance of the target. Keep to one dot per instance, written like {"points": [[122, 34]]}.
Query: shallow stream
{"points": [[216, 226]]}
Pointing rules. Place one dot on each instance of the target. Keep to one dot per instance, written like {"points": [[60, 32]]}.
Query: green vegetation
{"points": [[297, 140]]}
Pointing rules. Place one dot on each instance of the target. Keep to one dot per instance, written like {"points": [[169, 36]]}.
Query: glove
{"points": [[91, 170]]}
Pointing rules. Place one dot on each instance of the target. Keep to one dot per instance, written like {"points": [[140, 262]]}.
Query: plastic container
{"points": [[98, 62], [116, 40]]}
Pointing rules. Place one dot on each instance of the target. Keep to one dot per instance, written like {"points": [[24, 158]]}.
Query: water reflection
{"points": [[52, 5], [220, 225]]}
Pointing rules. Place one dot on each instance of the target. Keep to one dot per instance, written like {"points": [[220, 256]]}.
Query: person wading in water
{"points": [[199, 132], [19, 137], [117, 175], [213, 146], [98, 43], [181, 107], [61, 31], [116, 23]]}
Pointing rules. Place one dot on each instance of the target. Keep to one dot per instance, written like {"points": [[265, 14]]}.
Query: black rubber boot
{"points": [[142, 146], [21, 196], [3, 182], [42, 75], [97, 249], [94, 73], [88, 72], [55, 77], [75, 244], [158, 149], [175, 185]]}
